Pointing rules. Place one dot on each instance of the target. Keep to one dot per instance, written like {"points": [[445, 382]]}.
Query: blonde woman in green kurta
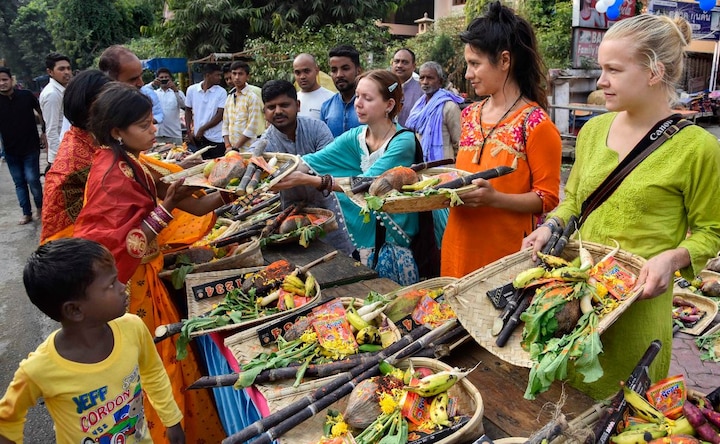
{"points": [[670, 194]]}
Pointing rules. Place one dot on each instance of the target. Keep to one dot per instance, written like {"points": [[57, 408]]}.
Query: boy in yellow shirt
{"points": [[94, 371]]}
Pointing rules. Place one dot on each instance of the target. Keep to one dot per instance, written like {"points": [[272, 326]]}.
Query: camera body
{"points": [[164, 81]]}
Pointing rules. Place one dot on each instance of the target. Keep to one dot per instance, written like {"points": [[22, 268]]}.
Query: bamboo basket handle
{"points": [[317, 261]]}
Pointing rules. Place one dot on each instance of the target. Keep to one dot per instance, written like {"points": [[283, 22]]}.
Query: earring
{"points": [[119, 140]]}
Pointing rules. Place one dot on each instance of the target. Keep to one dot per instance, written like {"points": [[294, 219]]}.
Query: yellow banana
{"points": [[309, 284], [641, 408], [422, 184], [290, 288], [438, 410], [355, 320], [289, 301], [437, 383], [527, 277], [553, 261], [569, 274], [294, 281]]}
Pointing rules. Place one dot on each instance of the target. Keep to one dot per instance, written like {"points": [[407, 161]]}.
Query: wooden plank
{"points": [[502, 386], [338, 271]]}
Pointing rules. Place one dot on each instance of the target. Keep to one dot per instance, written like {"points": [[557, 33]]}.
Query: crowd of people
{"points": [[107, 219]]}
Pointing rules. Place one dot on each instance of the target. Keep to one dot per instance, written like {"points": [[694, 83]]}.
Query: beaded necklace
{"points": [[478, 154]]}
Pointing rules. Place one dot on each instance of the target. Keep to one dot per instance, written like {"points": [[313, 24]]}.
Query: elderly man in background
{"points": [[311, 94], [436, 115], [403, 65]]}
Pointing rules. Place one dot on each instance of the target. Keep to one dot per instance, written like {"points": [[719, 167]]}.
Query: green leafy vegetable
{"points": [[178, 276], [709, 346]]}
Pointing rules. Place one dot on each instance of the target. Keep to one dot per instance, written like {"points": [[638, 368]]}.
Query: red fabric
{"points": [[65, 184], [114, 205], [475, 237]]}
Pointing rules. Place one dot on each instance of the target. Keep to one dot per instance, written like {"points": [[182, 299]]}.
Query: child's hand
{"points": [[175, 434]]}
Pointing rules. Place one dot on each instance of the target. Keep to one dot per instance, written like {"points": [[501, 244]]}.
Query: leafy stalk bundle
{"points": [[236, 307]]}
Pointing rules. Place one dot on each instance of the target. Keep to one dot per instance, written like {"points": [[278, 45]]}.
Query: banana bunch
{"points": [[293, 284], [658, 425]]}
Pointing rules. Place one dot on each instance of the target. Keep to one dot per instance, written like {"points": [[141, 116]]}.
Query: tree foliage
{"points": [[552, 20], [200, 28], [33, 40], [8, 49], [273, 56], [82, 29]]}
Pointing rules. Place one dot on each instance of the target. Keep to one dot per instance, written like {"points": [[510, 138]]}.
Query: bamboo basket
{"points": [[195, 177], [409, 203], [250, 256], [330, 224], [469, 403], [476, 313], [703, 303], [202, 306]]}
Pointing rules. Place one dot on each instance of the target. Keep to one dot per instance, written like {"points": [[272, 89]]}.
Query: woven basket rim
{"points": [[702, 302], [251, 256], [476, 313]]}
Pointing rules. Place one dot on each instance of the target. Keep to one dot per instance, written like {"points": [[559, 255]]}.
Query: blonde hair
{"points": [[657, 39]]}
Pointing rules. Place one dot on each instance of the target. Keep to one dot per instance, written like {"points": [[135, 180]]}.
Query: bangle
{"points": [[153, 225], [326, 185], [553, 223], [163, 214]]}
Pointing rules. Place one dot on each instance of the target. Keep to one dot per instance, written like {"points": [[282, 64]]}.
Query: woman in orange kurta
{"points": [[508, 128], [121, 211]]}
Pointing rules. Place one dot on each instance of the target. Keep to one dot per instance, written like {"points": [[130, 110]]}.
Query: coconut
{"points": [[392, 179], [363, 405]]}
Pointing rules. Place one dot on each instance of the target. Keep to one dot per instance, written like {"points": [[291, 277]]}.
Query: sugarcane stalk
{"points": [[296, 412], [258, 148], [433, 350], [466, 180], [254, 181], [254, 209], [241, 235]]}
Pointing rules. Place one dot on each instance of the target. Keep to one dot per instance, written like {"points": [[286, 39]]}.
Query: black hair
{"points": [[346, 51], [500, 29], [412, 54], [239, 64], [61, 271], [80, 94], [53, 58], [109, 62], [275, 88], [6, 70], [211, 68], [225, 68], [118, 106], [163, 70]]}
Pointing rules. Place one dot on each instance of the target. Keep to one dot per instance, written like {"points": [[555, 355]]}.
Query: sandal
{"points": [[25, 220]]}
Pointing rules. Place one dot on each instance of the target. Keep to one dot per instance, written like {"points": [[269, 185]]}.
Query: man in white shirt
{"points": [[403, 65], [311, 94], [51, 101], [204, 107], [172, 100]]}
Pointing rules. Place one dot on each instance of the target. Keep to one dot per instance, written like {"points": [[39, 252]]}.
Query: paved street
{"points": [[22, 325]]}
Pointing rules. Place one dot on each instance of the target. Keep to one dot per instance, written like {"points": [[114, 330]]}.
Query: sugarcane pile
{"points": [[565, 303], [398, 406], [276, 288], [668, 414]]}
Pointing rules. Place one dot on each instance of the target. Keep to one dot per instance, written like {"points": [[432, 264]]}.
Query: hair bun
{"points": [[684, 28]]}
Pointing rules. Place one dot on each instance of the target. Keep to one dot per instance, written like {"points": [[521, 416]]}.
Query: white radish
{"points": [[612, 253], [586, 259], [365, 309]]}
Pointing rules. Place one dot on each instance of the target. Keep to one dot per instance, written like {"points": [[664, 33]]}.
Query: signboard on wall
{"points": [[586, 42], [586, 16], [703, 24]]}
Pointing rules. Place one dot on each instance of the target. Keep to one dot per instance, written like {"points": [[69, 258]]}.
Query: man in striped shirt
{"points": [[241, 120]]}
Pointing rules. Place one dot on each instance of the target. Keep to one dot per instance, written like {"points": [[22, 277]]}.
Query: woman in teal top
{"points": [[664, 210], [367, 150]]}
